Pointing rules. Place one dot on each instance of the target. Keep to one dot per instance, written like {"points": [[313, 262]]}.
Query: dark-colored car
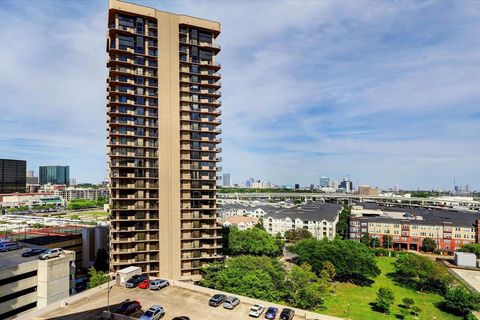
{"points": [[134, 281], [33, 252], [217, 300], [287, 314], [128, 307], [181, 318], [271, 313]]}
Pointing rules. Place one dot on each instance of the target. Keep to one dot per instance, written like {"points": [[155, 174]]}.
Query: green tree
{"points": [[257, 277], [255, 241], [295, 235], [408, 302], [472, 248], [384, 300], [342, 224], [328, 269], [428, 245], [366, 239], [387, 241], [421, 273], [462, 302], [38, 225], [375, 243], [415, 311], [353, 261], [96, 278], [306, 289]]}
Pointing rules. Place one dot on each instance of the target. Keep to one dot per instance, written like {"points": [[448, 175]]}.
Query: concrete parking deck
{"points": [[472, 277], [176, 300]]}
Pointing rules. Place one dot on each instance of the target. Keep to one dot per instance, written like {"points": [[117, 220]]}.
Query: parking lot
{"points": [[175, 300]]}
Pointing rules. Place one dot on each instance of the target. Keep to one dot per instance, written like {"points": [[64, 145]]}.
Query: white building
{"points": [[318, 218], [69, 194], [234, 209]]}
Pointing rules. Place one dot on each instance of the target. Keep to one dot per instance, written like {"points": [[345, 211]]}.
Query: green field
{"points": [[360, 297], [92, 215]]}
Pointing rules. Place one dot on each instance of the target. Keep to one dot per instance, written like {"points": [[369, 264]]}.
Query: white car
{"points": [[51, 253], [231, 303], [256, 310]]}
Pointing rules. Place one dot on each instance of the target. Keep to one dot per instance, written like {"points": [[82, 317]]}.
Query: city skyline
{"points": [[387, 92]]}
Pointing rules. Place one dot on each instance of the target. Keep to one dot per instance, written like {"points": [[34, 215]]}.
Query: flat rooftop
{"points": [[176, 300], [14, 257], [429, 216]]}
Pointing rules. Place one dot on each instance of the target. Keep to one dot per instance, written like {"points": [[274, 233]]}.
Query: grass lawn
{"points": [[360, 297], [92, 215]]}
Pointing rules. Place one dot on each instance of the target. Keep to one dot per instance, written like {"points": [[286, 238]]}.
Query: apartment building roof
{"points": [[425, 216], [239, 219], [311, 211]]}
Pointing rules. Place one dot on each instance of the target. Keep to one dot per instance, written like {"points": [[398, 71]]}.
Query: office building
{"points": [[13, 175], [163, 126], [297, 186], [226, 179], [30, 173], [347, 185], [27, 283], [368, 191], [54, 175], [324, 182], [318, 218], [409, 227]]}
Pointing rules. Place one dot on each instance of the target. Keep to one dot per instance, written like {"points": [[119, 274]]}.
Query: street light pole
{"points": [[108, 296]]}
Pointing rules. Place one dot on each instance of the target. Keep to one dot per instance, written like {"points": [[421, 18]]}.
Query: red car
{"points": [[128, 307], [144, 284]]}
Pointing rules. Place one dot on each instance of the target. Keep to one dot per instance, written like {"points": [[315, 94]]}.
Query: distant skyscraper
{"points": [[54, 175], [324, 182], [226, 179], [249, 183], [13, 175], [297, 186], [347, 185], [30, 173]]}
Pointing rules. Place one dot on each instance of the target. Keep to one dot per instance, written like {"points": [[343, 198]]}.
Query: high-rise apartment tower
{"points": [[163, 126]]}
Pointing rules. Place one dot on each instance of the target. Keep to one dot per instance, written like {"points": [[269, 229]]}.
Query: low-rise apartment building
{"points": [[27, 283], [234, 209], [317, 217], [69, 194], [409, 227]]}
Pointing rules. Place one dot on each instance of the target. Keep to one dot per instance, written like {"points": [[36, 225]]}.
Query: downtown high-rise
{"points": [[163, 126]]}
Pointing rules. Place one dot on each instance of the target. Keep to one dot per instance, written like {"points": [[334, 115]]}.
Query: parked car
{"points": [[271, 313], [128, 307], [231, 302], [287, 314], [33, 252], [217, 300], [144, 284], [9, 246], [134, 281], [256, 310], [158, 284], [181, 318], [51, 253], [153, 313]]}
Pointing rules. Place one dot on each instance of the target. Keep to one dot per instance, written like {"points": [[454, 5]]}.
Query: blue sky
{"points": [[387, 92]]}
